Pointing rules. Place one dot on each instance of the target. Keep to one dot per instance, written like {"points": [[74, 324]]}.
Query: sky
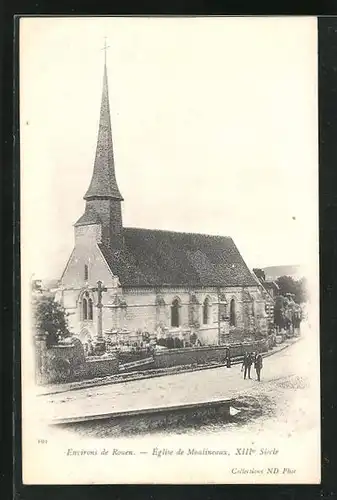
{"points": [[214, 124]]}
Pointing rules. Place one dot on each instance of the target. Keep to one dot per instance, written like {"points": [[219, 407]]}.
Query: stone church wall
{"points": [[87, 255], [148, 309], [88, 235], [141, 310], [144, 312]]}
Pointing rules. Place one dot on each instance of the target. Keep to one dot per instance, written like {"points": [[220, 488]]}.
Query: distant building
{"points": [[45, 286], [271, 287], [51, 285], [272, 290]]}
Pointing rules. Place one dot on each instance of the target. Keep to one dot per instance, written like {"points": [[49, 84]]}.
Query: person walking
{"points": [[258, 366], [228, 358], [246, 365]]}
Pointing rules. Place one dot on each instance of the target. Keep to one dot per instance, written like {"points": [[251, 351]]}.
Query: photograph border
{"points": [[327, 181]]}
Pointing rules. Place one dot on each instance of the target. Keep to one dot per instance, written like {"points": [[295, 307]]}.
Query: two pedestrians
{"points": [[248, 360]]}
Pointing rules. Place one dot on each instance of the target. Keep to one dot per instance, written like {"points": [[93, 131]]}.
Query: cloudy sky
{"points": [[214, 126]]}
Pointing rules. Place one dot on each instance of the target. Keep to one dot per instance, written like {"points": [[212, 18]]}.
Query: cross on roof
{"points": [[105, 48]]}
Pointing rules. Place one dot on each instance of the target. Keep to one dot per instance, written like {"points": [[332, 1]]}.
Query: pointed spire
{"points": [[103, 183]]}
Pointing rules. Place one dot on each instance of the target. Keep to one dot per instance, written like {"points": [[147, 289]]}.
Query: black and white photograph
{"points": [[169, 250]]}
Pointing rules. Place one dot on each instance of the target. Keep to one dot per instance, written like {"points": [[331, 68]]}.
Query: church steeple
{"points": [[103, 198], [103, 182]]}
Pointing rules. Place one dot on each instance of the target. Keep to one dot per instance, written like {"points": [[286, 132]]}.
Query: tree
{"points": [[287, 313], [297, 288], [50, 318], [279, 311], [302, 291]]}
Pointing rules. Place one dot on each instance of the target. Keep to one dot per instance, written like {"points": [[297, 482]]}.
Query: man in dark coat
{"points": [[258, 366], [247, 364], [228, 358], [193, 339]]}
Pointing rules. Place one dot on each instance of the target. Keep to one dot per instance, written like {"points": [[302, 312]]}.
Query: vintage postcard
{"points": [[169, 250]]}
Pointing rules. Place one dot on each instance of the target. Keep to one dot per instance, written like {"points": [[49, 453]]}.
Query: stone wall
{"points": [[101, 367], [61, 364], [203, 355], [67, 363]]}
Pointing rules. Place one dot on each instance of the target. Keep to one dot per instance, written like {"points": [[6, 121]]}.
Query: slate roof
{"points": [[166, 258], [103, 182], [89, 217]]}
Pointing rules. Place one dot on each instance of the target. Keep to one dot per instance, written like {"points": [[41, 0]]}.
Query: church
{"points": [[155, 282]]}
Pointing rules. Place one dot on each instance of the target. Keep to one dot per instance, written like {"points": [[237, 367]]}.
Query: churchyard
{"points": [[61, 357]]}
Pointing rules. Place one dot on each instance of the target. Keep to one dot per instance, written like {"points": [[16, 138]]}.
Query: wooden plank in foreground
{"points": [[218, 405]]}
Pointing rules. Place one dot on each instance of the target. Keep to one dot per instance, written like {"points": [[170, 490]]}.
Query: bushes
{"points": [[50, 318]]}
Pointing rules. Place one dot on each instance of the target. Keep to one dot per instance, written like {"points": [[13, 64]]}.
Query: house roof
{"points": [[262, 286], [271, 284], [166, 258]]}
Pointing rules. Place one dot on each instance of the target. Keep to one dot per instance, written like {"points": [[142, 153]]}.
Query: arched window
{"points": [[85, 308], [86, 272], [90, 309], [232, 319], [175, 313], [205, 311]]}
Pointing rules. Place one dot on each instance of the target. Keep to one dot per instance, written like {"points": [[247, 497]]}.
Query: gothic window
{"points": [[86, 272], [175, 313], [205, 311], [232, 319], [90, 309], [86, 305], [85, 308]]}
